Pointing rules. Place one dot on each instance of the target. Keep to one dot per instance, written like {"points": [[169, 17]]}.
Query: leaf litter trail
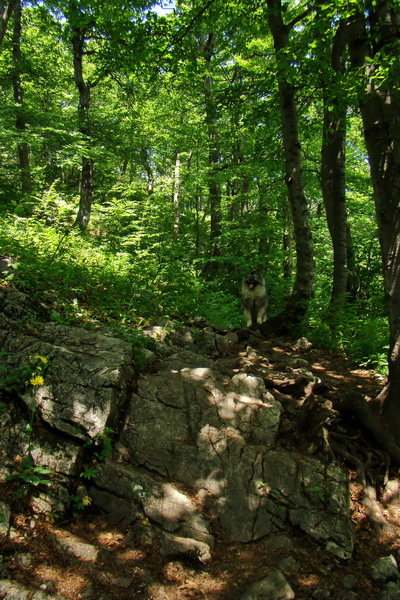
{"points": [[120, 568]]}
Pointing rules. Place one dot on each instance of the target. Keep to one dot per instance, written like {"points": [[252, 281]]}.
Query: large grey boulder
{"points": [[88, 375], [129, 493], [217, 434], [273, 587]]}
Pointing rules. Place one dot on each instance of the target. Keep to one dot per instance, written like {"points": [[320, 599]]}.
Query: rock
{"points": [[315, 497], [172, 545], [48, 504], [321, 593], [216, 434], [391, 591], [88, 378], [194, 422], [273, 587], [162, 503], [7, 266], [11, 590], [384, 568], [157, 332], [279, 542], [350, 582], [60, 455], [75, 547], [289, 565], [24, 560], [303, 344], [391, 494], [47, 448]]}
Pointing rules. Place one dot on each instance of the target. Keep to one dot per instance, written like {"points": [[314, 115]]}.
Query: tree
{"points": [[80, 29], [23, 146], [374, 40], [207, 47], [303, 287], [6, 9], [333, 163]]}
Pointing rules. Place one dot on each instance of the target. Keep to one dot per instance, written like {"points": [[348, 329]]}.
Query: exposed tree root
{"points": [[355, 403], [371, 505], [316, 419]]}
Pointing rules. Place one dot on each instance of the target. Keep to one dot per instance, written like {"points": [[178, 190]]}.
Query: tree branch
{"points": [[181, 36]]}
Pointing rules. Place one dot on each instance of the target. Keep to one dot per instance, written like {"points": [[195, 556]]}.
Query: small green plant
{"points": [[377, 361], [17, 377], [273, 493], [89, 473], [317, 489], [30, 373], [101, 444], [79, 503], [27, 474]]}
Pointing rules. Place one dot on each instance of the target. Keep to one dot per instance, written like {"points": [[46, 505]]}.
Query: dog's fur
{"points": [[254, 298]]}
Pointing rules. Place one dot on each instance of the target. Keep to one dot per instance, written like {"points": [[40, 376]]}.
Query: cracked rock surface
{"points": [[199, 446]]}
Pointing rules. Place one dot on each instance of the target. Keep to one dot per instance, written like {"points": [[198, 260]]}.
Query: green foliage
{"points": [[220, 308], [101, 446], [12, 378], [28, 474], [89, 473], [349, 332], [145, 255], [17, 377], [79, 503]]}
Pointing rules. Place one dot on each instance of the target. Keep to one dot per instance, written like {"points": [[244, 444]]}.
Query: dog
{"points": [[254, 298]]}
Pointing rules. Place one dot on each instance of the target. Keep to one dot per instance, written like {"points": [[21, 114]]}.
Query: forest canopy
{"points": [[153, 154]]}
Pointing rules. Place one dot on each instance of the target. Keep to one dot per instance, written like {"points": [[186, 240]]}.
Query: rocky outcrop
{"points": [[88, 376], [199, 435], [217, 434]]}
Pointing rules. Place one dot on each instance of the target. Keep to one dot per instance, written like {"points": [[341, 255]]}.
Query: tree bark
{"points": [[23, 147], [214, 188], [333, 171], [372, 47], [304, 280], [86, 180], [144, 154], [6, 9], [287, 248], [175, 194]]}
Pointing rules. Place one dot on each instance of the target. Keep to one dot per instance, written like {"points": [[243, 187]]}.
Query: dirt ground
{"points": [[125, 570]]}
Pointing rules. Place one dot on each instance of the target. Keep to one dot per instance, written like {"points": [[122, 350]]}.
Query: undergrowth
{"points": [[80, 279]]}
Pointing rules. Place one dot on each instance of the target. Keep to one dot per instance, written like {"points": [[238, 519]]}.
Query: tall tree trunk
{"points": [[144, 154], [372, 46], [304, 281], [23, 147], [6, 8], [86, 180], [214, 189], [333, 171], [175, 194], [287, 248]]}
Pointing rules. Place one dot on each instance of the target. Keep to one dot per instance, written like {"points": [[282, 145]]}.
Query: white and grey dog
{"points": [[254, 298]]}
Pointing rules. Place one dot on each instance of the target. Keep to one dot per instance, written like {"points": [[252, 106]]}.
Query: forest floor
{"points": [[122, 570]]}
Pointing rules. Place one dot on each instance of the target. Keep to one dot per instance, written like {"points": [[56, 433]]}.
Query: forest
{"points": [[153, 153]]}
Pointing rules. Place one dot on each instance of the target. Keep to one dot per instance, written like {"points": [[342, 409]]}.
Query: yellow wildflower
{"points": [[42, 359], [86, 501], [36, 380]]}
